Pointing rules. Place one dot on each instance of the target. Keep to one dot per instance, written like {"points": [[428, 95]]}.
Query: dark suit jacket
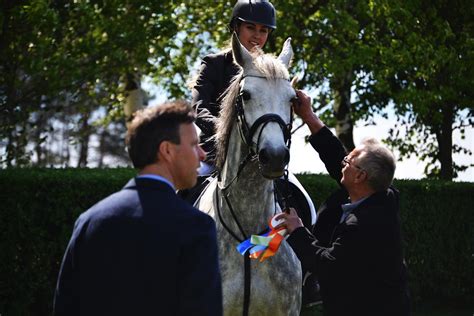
{"points": [[141, 251], [213, 79], [359, 262]]}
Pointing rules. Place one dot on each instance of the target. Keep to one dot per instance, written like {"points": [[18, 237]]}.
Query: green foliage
{"points": [[64, 60], [424, 65], [319, 187], [71, 57], [39, 207]]}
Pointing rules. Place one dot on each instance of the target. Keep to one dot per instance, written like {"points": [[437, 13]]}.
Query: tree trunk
{"points": [[16, 146], [38, 150], [37, 137], [341, 88], [84, 135], [8, 115], [444, 137], [9, 151], [102, 146], [64, 152]]}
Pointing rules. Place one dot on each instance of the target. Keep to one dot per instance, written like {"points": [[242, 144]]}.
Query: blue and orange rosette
{"points": [[265, 245]]}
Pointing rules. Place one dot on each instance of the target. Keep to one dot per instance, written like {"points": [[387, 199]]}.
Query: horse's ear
{"points": [[286, 53], [294, 81], [240, 53]]}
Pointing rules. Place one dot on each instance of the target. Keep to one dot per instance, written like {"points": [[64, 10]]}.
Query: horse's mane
{"points": [[266, 65]]}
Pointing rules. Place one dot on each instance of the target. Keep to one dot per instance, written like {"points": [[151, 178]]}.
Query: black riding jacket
{"points": [[214, 78]]}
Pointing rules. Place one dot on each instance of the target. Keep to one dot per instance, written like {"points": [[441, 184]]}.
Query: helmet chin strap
{"points": [[236, 31]]}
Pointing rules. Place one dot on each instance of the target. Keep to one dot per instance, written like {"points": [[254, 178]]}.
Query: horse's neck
{"points": [[236, 152], [250, 194]]}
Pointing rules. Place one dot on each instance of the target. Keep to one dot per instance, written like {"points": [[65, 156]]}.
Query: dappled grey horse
{"points": [[252, 137]]}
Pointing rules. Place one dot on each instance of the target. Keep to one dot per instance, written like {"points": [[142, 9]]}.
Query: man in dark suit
{"points": [[355, 248], [143, 250]]}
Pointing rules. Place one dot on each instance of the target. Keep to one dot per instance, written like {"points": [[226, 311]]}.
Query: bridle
{"points": [[247, 134]]}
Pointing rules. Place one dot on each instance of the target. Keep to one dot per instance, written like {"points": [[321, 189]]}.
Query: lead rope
{"points": [[247, 279]]}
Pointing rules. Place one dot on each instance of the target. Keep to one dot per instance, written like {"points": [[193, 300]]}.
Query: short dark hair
{"points": [[153, 125]]}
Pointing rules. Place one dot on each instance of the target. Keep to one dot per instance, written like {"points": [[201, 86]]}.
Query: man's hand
{"points": [[302, 107], [290, 220]]}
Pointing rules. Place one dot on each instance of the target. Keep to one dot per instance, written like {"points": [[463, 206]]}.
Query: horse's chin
{"points": [[271, 174]]}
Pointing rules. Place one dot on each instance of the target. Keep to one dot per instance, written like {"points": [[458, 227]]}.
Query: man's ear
{"points": [[361, 176], [166, 151]]}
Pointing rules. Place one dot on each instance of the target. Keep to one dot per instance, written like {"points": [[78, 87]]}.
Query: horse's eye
{"points": [[245, 95]]}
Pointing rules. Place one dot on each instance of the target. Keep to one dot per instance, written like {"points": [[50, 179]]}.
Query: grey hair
{"points": [[379, 163]]}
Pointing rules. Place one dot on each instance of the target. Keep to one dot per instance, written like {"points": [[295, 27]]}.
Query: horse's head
{"points": [[263, 106]]}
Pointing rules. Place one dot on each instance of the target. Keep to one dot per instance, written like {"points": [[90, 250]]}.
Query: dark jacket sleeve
{"points": [[200, 291], [312, 255], [205, 95], [330, 150], [66, 296], [213, 79], [315, 248]]}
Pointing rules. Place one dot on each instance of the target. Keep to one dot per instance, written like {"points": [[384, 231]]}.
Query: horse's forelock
{"points": [[270, 67]]}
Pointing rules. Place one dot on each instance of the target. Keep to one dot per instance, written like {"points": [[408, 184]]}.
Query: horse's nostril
{"points": [[263, 156]]}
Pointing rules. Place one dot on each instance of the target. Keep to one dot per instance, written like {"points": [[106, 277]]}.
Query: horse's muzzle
{"points": [[273, 161]]}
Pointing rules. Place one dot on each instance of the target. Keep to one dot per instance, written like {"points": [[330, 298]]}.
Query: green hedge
{"points": [[38, 208]]}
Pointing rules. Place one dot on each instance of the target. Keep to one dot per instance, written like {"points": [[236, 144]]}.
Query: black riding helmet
{"points": [[254, 11]]}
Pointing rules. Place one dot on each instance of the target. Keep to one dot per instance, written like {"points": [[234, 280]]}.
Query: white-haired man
{"points": [[355, 248]]}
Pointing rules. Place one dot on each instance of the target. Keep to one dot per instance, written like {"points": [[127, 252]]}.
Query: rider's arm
{"points": [[205, 95]]}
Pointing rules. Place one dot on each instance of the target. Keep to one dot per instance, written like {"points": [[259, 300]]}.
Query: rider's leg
{"points": [[312, 210]]}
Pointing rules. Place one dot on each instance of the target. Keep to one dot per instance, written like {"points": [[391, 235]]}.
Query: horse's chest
{"points": [[269, 280]]}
